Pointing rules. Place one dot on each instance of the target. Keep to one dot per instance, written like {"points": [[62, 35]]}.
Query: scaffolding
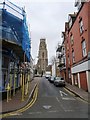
{"points": [[14, 34], [15, 25]]}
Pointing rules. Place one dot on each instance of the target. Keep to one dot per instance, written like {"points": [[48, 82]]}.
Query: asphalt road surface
{"points": [[55, 102]]}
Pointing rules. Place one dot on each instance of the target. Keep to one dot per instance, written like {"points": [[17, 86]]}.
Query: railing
{"points": [[8, 35], [12, 75], [12, 8], [15, 34]]}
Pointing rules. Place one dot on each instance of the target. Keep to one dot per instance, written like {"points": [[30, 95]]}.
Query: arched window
{"points": [[43, 55]]}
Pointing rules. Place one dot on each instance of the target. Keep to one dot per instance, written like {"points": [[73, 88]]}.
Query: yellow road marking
{"points": [[82, 100], [69, 92], [24, 108], [21, 110], [30, 104], [77, 97]]}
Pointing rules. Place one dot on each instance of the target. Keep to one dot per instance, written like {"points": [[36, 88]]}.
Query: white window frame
{"points": [[81, 25], [69, 74], [84, 52], [68, 60], [72, 39], [70, 21], [73, 56]]}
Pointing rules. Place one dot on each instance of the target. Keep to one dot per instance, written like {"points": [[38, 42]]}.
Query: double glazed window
{"points": [[73, 56], [68, 60], [84, 53], [71, 39], [81, 26]]}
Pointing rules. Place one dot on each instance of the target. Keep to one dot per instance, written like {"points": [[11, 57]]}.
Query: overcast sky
{"points": [[47, 20]]}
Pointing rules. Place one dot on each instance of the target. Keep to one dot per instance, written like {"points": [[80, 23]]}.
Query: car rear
{"points": [[59, 81], [52, 79]]}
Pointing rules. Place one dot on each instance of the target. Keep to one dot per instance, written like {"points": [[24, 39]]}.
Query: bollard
{"points": [[23, 87], [10, 85], [8, 88], [14, 86]]}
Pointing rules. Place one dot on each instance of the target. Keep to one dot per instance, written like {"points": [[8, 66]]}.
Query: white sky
{"points": [[47, 20]]}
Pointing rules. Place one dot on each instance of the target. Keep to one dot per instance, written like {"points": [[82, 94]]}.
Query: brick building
{"points": [[77, 47]]}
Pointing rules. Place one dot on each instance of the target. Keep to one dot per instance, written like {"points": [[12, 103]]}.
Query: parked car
{"points": [[59, 81], [49, 78], [52, 79], [48, 74]]}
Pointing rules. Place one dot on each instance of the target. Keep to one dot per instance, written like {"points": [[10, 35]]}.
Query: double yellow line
{"points": [[24, 108]]}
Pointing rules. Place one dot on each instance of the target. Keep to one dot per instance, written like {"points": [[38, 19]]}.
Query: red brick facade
{"points": [[77, 47]]}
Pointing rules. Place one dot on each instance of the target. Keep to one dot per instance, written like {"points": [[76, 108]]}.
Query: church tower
{"points": [[42, 57]]}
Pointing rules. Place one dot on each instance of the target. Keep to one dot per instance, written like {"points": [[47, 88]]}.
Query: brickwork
{"points": [[75, 30], [74, 50]]}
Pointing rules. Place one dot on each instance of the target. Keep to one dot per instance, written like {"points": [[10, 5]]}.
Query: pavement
{"points": [[78, 92], [16, 102]]}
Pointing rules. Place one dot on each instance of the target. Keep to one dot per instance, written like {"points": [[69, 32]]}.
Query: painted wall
{"points": [[54, 69]]}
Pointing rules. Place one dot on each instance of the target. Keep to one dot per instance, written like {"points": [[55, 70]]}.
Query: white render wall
{"points": [[85, 66], [88, 80], [80, 68], [54, 69]]}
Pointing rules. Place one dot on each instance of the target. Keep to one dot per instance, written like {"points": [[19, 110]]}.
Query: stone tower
{"points": [[42, 57]]}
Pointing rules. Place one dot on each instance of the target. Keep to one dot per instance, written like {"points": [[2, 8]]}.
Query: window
{"points": [[66, 34], [68, 60], [81, 26], [43, 55], [70, 21], [67, 46], [64, 60], [71, 39], [63, 50], [69, 74], [84, 53], [43, 66], [73, 56]]}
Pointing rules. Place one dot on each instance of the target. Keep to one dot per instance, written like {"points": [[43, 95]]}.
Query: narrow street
{"points": [[54, 102], [39, 40]]}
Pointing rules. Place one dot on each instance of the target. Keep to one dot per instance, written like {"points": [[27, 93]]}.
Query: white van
{"points": [[48, 74]]}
